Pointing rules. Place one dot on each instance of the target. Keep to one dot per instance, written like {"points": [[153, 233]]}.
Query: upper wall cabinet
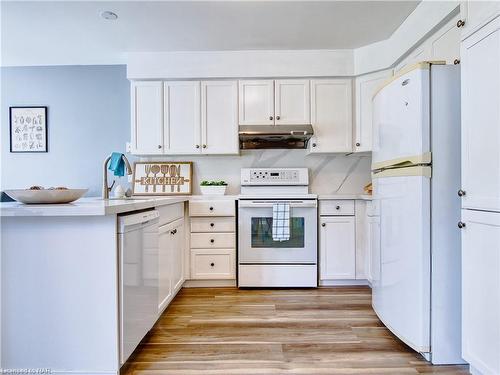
{"points": [[481, 119], [256, 102], [147, 117], [365, 87], [219, 117], [443, 45], [291, 102], [184, 117], [269, 102], [475, 14], [331, 115]]}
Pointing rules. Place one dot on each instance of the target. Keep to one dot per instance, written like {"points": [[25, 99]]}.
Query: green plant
{"points": [[213, 183]]}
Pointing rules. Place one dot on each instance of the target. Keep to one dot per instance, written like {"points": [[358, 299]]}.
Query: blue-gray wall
{"points": [[88, 117]]}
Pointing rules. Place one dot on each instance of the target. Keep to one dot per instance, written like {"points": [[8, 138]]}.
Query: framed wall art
{"points": [[163, 178], [28, 129]]}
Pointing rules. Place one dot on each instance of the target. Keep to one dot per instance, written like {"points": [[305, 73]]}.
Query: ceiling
{"points": [[72, 32]]}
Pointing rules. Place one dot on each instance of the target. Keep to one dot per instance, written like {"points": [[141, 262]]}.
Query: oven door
{"points": [[256, 245]]}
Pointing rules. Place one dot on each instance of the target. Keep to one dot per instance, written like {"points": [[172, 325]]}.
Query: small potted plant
{"points": [[213, 187]]}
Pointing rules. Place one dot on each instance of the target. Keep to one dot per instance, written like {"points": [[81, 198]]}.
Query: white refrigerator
{"points": [[416, 174]]}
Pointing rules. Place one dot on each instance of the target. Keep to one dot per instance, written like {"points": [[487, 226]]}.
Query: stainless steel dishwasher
{"points": [[138, 259]]}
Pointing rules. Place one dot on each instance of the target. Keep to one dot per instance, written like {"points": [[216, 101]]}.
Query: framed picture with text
{"points": [[28, 129], [162, 178]]}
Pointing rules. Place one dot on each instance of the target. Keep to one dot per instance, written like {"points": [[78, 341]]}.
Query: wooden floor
{"points": [[313, 331]]}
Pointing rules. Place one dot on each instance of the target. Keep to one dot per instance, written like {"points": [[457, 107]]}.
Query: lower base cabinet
{"points": [[337, 243], [170, 261], [481, 291], [213, 264]]}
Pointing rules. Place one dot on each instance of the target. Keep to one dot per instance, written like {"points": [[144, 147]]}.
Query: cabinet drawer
{"points": [[212, 208], [213, 264], [338, 207], [215, 224], [213, 240], [170, 213]]}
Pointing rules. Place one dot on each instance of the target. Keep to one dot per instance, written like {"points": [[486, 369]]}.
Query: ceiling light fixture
{"points": [[108, 15]]}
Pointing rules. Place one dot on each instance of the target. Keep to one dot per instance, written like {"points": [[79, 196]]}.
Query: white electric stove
{"points": [[263, 262]]}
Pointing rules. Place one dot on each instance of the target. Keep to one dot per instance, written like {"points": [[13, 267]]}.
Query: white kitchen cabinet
{"points": [[165, 266], [177, 240], [256, 102], [147, 117], [182, 132], [170, 261], [219, 117], [476, 14], [445, 43], [291, 102], [481, 291], [331, 115], [337, 247], [365, 88], [480, 70]]}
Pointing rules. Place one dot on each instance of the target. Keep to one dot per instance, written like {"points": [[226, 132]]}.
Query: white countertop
{"points": [[86, 206], [366, 197]]}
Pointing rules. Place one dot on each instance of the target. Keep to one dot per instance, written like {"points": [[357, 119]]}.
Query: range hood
{"points": [[274, 136]]}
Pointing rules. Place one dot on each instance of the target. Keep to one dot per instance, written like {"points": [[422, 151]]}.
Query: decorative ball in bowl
{"points": [[213, 187], [40, 195]]}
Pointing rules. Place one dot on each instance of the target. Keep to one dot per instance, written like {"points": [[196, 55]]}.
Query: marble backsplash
{"points": [[328, 173]]}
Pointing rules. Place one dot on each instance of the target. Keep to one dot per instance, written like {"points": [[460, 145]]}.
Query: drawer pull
{"points": [[212, 264], [212, 240], [211, 208], [212, 225], [173, 231], [337, 207]]}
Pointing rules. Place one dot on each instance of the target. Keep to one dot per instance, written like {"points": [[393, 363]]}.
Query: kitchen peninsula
{"points": [[61, 285]]}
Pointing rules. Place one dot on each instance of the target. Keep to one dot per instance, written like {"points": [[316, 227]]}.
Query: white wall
{"points": [[88, 118]]}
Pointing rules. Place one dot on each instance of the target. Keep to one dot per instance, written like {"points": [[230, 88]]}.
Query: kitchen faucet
{"points": [[105, 188]]}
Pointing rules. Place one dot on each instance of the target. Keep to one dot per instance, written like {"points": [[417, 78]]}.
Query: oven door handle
{"points": [[268, 204]]}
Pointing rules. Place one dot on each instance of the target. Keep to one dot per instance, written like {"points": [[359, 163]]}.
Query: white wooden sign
{"points": [[163, 178]]}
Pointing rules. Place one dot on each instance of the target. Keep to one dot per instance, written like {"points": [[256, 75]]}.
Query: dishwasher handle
{"points": [[137, 219]]}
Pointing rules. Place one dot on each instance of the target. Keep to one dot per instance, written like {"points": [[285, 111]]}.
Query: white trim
{"points": [[209, 283], [344, 282]]}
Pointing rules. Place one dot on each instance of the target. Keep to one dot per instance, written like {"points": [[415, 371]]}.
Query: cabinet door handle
{"points": [[159, 146], [461, 193], [323, 225], [358, 144], [212, 225], [461, 224], [278, 117], [173, 231], [204, 146], [270, 118], [314, 144], [337, 208], [212, 240], [460, 23], [211, 208], [456, 61], [197, 146], [212, 264]]}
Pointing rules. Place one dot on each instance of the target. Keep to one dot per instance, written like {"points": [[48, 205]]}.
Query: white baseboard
{"points": [[209, 283], [344, 282]]}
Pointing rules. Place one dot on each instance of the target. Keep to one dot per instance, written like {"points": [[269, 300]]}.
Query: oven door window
{"points": [[262, 233]]}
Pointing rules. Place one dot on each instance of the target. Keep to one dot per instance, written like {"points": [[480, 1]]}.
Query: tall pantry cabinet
{"points": [[480, 192]]}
